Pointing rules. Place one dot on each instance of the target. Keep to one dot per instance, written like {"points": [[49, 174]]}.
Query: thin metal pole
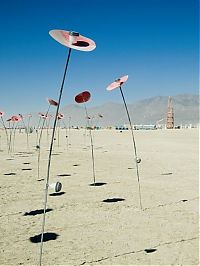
{"points": [[39, 141], [134, 146], [49, 160], [26, 131], [47, 112], [66, 131], [10, 129], [5, 132], [29, 118], [58, 129], [37, 129], [69, 130], [11, 133], [13, 140], [92, 146]]}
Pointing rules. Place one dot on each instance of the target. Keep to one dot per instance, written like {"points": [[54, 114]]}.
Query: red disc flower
{"points": [[52, 102], [83, 97]]}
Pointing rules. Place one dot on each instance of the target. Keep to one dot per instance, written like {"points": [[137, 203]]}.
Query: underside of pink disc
{"points": [[60, 116], [117, 83], [15, 118], [73, 40]]}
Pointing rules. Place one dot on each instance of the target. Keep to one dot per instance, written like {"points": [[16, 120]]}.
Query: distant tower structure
{"points": [[170, 114]]}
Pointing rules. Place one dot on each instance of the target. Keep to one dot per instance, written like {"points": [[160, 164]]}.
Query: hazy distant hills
{"points": [[147, 111]]}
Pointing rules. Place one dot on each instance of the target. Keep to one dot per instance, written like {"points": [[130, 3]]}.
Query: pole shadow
{"points": [[36, 212], [97, 184], [150, 250], [46, 237], [113, 200], [170, 173], [57, 194], [10, 174], [64, 175]]}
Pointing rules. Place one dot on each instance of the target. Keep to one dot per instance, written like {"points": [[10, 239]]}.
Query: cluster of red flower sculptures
{"points": [[73, 40]]}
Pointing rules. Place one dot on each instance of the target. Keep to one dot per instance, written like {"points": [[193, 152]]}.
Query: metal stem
{"points": [[37, 129], [91, 142], [134, 146], [29, 123], [49, 160], [6, 133], [26, 131], [14, 131], [40, 138], [10, 129]]}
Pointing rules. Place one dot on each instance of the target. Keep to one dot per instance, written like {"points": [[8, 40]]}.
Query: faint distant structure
{"points": [[170, 114], [158, 125]]}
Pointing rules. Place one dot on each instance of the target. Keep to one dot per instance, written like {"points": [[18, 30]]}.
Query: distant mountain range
{"points": [[147, 111]]}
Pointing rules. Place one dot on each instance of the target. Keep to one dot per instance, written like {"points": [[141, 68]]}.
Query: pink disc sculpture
{"points": [[117, 83], [15, 118], [73, 40], [60, 116], [114, 85]]}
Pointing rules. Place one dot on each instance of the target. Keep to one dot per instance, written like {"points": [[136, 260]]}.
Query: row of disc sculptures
{"points": [[73, 40]]}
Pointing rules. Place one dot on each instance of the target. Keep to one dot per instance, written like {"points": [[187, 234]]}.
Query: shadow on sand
{"points": [[150, 250], [97, 184], [113, 200], [57, 194], [46, 237], [63, 175], [10, 174], [36, 212]]}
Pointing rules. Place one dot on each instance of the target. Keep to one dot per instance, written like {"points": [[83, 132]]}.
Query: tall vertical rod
{"points": [[134, 146], [37, 130], [2, 121], [39, 141], [49, 160], [92, 146]]}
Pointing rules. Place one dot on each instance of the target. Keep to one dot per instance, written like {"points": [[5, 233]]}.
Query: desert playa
{"points": [[102, 224]]}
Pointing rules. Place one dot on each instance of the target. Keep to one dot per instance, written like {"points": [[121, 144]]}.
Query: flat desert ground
{"points": [[103, 224]]}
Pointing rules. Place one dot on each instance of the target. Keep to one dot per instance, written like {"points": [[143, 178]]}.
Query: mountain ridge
{"points": [[146, 111]]}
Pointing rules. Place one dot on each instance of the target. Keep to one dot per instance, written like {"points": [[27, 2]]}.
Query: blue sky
{"points": [[155, 42]]}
